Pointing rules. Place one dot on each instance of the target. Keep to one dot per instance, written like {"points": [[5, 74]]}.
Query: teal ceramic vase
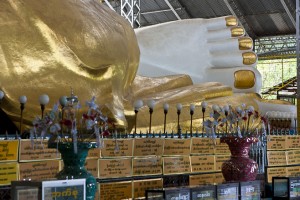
{"points": [[74, 165]]}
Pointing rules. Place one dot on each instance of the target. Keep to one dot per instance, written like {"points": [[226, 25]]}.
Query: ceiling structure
{"points": [[260, 18]]}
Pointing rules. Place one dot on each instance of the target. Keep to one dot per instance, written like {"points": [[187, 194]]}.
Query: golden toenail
{"points": [[244, 79], [231, 21], [237, 31], [249, 58], [245, 43]]}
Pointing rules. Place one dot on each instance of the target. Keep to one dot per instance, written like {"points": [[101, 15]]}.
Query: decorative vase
{"points": [[239, 167], [74, 165]]}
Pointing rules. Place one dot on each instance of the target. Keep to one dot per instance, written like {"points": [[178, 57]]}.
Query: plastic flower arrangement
{"points": [[64, 125], [240, 122]]}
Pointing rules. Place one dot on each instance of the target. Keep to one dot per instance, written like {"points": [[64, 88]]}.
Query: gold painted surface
{"points": [[249, 58], [184, 95], [158, 116], [237, 31], [244, 79], [91, 48], [245, 43], [231, 21], [82, 44]]}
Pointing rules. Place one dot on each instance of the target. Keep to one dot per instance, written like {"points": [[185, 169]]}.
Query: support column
{"points": [[130, 10], [298, 62]]}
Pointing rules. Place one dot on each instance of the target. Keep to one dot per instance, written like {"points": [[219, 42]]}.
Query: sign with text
{"points": [[293, 157], [94, 153], [91, 165], [276, 142], [8, 173], [119, 147], [114, 168], [36, 151], [202, 146], [293, 171], [148, 146], [204, 163], [203, 192], [147, 166], [276, 158], [221, 148], [220, 159], [293, 142], [176, 165], [219, 178], [9, 150], [141, 186], [177, 146], [117, 190], [275, 171], [202, 179], [228, 191], [40, 170], [25, 194]]}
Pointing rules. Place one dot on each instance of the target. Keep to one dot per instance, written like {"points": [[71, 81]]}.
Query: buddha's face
{"points": [[47, 47]]}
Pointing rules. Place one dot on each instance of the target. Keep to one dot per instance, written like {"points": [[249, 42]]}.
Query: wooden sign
{"points": [[202, 146], [94, 153], [293, 171], [177, 146], [204, 163], [9, 150], [221, 148], [8, 173], [117, 190], [114, 168], [119, 147], [276, 158], [40, 170], [275, 171], [141, 186], [91, 166], [147, 166], [27, 193], [148, 146], [201, 179], [276, 142], [176, 165], [293, 157], [293, 142], [219, 178], [36, 151], [297, 156], [220, 159]]}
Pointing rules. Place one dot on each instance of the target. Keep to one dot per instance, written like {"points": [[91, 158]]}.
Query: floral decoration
{"points": [[64, 125], [241, 121]]}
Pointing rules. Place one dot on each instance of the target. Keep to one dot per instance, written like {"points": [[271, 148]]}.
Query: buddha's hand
{"points": [[206, 49]]}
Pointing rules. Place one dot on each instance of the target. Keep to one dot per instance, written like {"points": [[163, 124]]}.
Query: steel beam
{"points": [[130, 10], [109, 5], [298, 61], [287, 10], [173, 10]]}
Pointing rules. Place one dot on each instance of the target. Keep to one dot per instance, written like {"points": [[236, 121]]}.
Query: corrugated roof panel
{"points": [[205, 8], [263, 17], [151, 5], [160, 17], [268, 24]]}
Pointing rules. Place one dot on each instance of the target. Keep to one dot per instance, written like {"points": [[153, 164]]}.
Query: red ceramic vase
{"points": [[239, 167]]}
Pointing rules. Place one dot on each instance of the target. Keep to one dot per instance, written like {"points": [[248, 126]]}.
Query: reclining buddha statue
{"points": [[48, 47]]}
